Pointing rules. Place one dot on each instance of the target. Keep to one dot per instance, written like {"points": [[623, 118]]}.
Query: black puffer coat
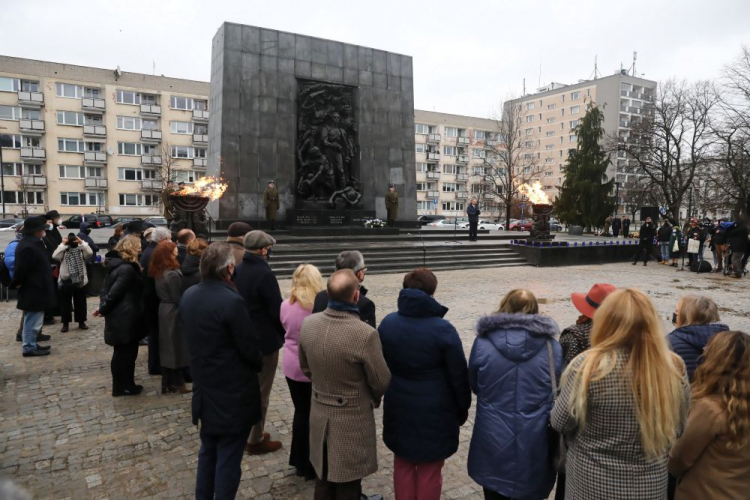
{"points": [[121, 301], [33, 274]]}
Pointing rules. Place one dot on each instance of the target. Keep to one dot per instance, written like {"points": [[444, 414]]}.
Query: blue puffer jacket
{"points": [[509, 372], [10, 256], [688, 343], [429, 390]]}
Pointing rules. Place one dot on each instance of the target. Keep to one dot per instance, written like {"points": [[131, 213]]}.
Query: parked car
{"points": [[75, 221], [442, 223], [9, 222], [521, 225], [157, 221], [426, 219], [555, 226], [484, 224], [105, 220], [125, 220]]}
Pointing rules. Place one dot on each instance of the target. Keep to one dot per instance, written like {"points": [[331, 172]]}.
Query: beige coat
{"points": [[59, 255], [705, 466], [343, 357]]}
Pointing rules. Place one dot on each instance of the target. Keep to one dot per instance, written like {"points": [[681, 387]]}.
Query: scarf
{"points": [[337, 305], [76, 266]]}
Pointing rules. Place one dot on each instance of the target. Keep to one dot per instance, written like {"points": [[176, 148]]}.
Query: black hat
{"points": [[52, 214], [33, 224], [135, 226]]}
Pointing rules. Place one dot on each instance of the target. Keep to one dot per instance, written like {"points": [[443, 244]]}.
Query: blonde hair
{"points": [[306, 283], [627, 323], [725, 372], [197, 247], [518, 301], [129, 247], [696, 310]]}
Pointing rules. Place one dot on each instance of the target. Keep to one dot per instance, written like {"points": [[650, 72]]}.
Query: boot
{"points": [[65, 328]]}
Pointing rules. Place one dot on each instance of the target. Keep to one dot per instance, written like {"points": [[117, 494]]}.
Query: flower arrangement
{"points": [[374, 223]]}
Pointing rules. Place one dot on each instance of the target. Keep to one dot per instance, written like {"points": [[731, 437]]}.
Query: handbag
{"points": [[693, 246], [676, 246], [67, 285], [558, 449]]}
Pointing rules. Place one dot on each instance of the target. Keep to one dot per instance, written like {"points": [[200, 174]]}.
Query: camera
{"points": [[72, 243]]}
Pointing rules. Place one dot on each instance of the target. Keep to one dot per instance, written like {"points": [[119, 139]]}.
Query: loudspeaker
{"points": [[652, 212]]}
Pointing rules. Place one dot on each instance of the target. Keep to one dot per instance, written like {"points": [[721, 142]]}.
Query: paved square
{"points": [[63, 436]]}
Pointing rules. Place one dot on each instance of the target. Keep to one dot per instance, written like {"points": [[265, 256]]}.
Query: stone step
{"points": [[287, 273]]}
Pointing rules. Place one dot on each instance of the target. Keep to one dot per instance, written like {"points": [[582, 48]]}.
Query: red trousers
{"points": [[423, 481]]}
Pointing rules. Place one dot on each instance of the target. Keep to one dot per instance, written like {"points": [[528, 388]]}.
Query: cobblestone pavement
{"points": [[63, 436]]}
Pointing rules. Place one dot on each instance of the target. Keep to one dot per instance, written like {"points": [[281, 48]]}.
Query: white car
{"points": [[443, 223], [484, 224]]}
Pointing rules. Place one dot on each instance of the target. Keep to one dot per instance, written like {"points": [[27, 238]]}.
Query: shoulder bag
{"points": [[558, 449]]}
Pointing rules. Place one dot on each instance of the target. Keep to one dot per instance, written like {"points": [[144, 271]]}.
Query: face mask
{"points": [[51, 227]]}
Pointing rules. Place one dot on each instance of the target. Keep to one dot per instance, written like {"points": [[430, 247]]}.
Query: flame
{"points": [[208, 187], [534, 193]]}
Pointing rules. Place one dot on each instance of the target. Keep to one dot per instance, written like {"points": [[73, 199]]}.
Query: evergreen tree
{"points": [[585, 197]]}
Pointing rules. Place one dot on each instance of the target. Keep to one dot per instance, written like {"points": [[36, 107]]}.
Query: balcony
{"points": [[94, 158], [433, 157], [151, 136], [150, 110], [462, 195], [33, 155], [463, 141], [488, 196], [32, 181], [200, 115], [200, 163], [95, 183], [99, 131], [30, 99], [433, 194], [93, 105], [433, 175], [462, 177], [31, 127], [462, 159], [433, 138], [150, 160], [152, 185], [200, 138], [490, 144]]}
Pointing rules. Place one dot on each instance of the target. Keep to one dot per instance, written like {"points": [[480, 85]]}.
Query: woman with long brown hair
{"points": [[712, 458], [173, 351], [622, 404]]}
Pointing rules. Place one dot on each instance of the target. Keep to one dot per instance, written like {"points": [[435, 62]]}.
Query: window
{"points": [[424, 205], [9, 197], [421, 167], [183, 152], [32, 197], [70, 118], [529, 106], [574, 138], [69, 90], [177, 102], [8, 84], [181, 127], [550, 134], [92, 93], [450, 187], [529, 118], [130, 174], [419, 148], [453, 206], [462, 132], [70, 145], [450, 169], [574, 123], [94, 172], [480, 135], [551, 106], [128, 97], [150, 124], [575, 109], [478, 153], [10, 141], [574, 96], [10, 113], [149, 149], [421, 128], [187, 176], [549, 174], [94, 146], [30, 114], [422, 186], [15, 169], [549, 146], [93, 119], [128, 149], [529, 131], [138, 200], [201, 153], [201, 104], [551, 120], [450, 150], [128, 123], [82, 199], [562, 97], [72, 172], [149, 99], [451, 132], [479, 170], [549, 160]]}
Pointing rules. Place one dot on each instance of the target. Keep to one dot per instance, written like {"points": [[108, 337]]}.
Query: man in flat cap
{"points": [[271, 202], [391, 204], [258, 286]]}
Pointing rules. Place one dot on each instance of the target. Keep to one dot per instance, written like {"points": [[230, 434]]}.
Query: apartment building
{"points": [[82, 140], [450, 152], [554, 111]]}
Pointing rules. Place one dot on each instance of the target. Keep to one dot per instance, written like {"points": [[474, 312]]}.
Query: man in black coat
{"points": [[473, 212], [33, 278], [225, 359], [626, 227], [351, 259], [646, 241], [257, 284], [52, 239], [616, 225], [738, 243], [150, 298]]}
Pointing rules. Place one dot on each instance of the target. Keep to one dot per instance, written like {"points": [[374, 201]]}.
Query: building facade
{"points": [[450, 152], [554, 111], [88, 140]]}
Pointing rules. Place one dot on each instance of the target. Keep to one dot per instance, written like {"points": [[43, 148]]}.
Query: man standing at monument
{"points": [[616, 225], [391, 204], [473, 212], [343, 358], [166, 202], [271, 202], [646, 241], [626, 227]]}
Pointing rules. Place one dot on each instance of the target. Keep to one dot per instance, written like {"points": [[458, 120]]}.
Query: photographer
{"points": [[72, 254]]}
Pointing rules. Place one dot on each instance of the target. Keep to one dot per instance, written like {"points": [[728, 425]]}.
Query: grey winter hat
{"points": [[258, 239]]}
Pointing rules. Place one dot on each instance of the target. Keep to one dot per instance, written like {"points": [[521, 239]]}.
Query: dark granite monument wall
{"points": [[255, 75]]}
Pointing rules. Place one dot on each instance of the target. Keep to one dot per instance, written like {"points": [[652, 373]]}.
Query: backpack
{"points": [[4, 272], [701, 267]]}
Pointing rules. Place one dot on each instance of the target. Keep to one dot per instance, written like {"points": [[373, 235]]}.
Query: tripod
{"points": [[455, 229]]}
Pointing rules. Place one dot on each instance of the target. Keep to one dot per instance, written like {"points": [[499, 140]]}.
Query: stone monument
{"points": [[331, 123]]}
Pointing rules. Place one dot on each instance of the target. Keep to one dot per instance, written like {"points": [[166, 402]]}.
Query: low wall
{"points": [[576, 254]]}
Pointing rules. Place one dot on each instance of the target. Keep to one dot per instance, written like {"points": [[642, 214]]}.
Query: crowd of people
{"points": [[609, 408]]}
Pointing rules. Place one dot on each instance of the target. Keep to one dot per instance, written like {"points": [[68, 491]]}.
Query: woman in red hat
{"points": [[576, 339]]}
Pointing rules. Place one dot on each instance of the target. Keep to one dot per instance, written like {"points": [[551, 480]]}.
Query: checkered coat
{"points": [[605, 460], [343, 357]]}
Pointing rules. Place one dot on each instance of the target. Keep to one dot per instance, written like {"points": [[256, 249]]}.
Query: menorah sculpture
{"points": [[189, 211]]}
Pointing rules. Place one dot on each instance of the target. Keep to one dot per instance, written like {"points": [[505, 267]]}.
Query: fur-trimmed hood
{"points": [[517, 336]]}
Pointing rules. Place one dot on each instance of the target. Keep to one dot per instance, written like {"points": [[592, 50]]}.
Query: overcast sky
{"points": [[468, 56]]}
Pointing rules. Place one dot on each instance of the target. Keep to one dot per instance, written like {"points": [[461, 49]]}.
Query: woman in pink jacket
{"points": [[306, 283]]}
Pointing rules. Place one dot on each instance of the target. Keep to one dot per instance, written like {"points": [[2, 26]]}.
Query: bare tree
{"points": [[636, 192], [23, 184], [512, 158], [673, 140]]}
